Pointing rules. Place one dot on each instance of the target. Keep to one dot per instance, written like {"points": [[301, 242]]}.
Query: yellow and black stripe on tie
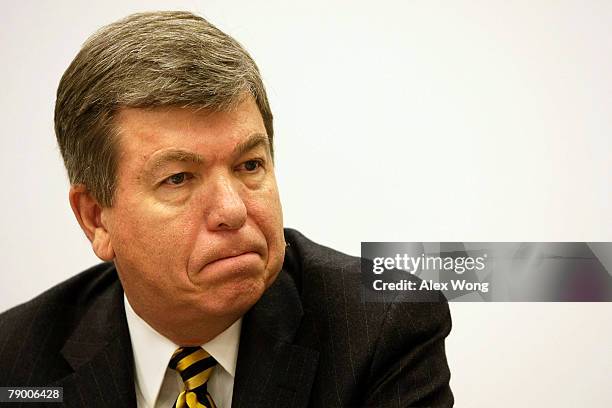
{"points": [[195, 367]]}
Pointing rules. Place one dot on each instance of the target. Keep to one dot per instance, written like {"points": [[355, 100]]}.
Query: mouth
{"points": [[234, 264], [231, 257]]}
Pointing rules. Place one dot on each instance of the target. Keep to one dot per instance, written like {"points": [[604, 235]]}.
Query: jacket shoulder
{"points": [[311, 256], [73, 292], [320, 268], [42, 324]]}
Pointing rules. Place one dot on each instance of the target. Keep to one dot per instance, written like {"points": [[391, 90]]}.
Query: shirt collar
{"points": [[152, 352]]}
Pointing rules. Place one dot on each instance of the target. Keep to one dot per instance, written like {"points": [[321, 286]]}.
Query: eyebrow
{"points": [[173, 156], [253, 141]]}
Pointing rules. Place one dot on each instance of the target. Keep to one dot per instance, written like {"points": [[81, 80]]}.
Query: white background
{"points": [[395, 121]]}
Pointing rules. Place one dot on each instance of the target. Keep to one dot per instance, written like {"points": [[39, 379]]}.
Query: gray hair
{"points": [[166, 58]]}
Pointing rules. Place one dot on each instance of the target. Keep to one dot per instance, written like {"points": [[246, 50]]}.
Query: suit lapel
{"points": [[271, 370], [100, 353]]}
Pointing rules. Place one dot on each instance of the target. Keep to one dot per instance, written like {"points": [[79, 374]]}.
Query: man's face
{"points": [[196, 225]]}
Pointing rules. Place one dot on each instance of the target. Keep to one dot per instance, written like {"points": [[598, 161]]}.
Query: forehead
{"points": [[143, 131]]}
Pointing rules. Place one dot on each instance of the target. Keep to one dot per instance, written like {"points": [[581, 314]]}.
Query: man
{"points": [[203, 300]]}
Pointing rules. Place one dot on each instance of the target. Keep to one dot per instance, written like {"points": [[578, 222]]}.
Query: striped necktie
{"points": [[195, 366]]}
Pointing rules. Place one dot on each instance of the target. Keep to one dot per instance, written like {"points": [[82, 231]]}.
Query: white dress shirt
{"points": [[157, 385]]}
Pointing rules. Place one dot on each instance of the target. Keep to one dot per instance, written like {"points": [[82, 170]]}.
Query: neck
{"points": [[181, 330]]}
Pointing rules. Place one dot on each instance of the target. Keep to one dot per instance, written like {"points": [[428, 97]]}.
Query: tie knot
{"points": [[194, 365]]}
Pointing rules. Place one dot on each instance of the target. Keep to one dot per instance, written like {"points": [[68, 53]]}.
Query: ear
{"points": [[89, 214]]}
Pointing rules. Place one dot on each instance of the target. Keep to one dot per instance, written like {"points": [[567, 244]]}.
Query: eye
{"points": [[251, 166], [178, 179]]}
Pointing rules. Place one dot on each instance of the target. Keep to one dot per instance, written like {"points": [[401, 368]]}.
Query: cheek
{"points": [[266, 211], [153, 238], [265, 207]]}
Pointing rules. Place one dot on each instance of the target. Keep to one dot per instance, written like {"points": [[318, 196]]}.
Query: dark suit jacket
{"points": [[310, 341]]}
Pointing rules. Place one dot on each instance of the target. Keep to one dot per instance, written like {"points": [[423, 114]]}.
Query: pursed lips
{"points": [[234, 253], [231, 256], [228, 252]]}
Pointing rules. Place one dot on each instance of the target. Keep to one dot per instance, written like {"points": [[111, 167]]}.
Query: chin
{"points": [[237, 298]]}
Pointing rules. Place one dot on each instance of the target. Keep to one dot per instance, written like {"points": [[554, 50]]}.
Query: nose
{"points": [[225, 208]]}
